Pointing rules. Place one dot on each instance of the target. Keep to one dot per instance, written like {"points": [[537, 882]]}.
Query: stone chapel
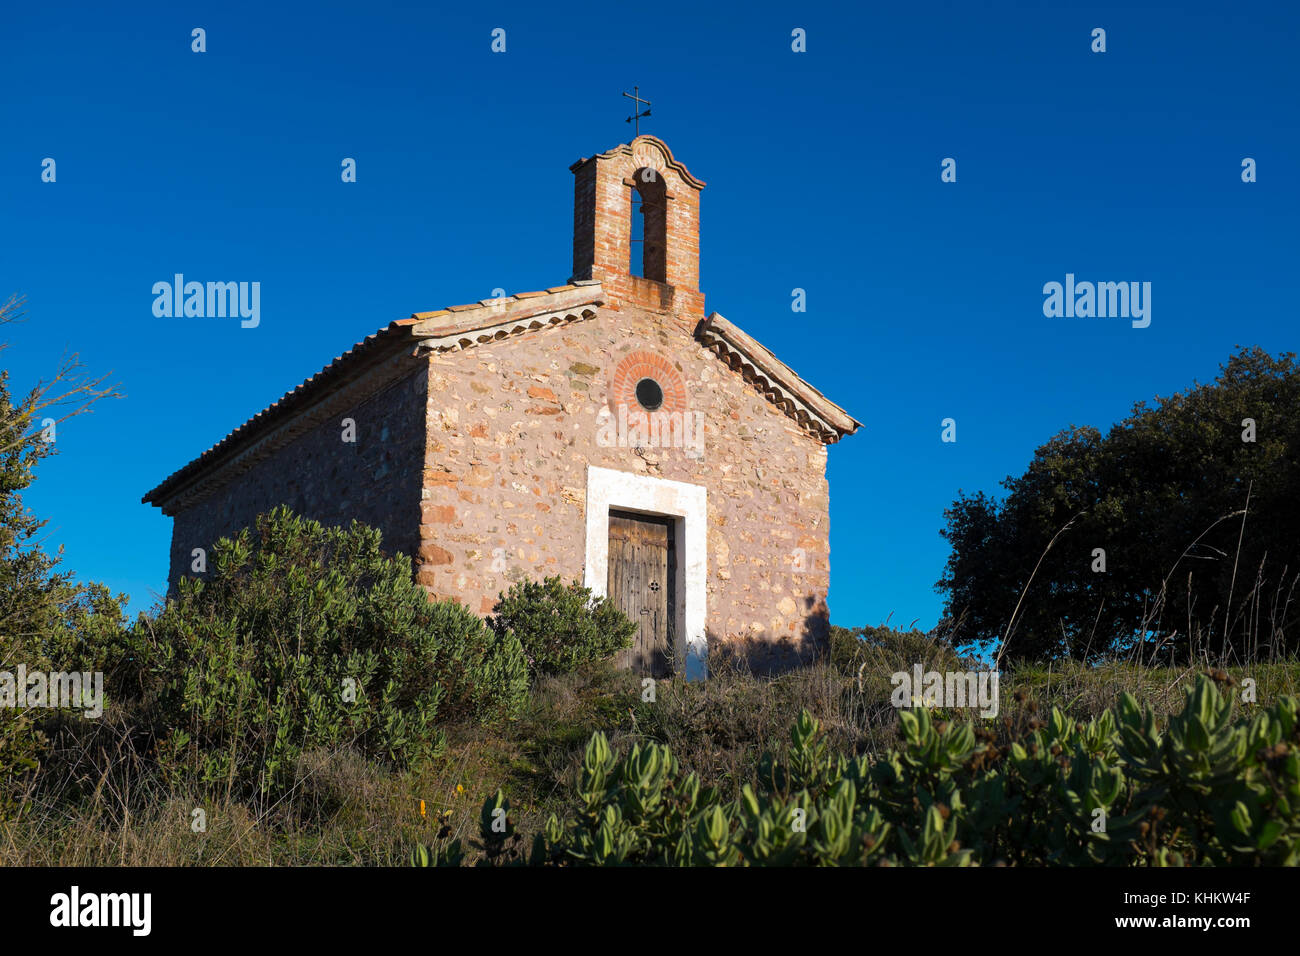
{"points": [[607, 430]]}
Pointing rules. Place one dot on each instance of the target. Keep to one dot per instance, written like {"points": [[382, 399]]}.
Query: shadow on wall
{"points": [[766, 656]]}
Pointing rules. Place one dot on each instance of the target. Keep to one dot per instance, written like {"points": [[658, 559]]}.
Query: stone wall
{"points": [[513, 425], [375, 480]]}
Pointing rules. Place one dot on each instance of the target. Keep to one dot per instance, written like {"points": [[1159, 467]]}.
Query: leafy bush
{"points": [[21, 745], [1210, 789], [850, 647], [306, 637], [560, 626], [79, 629]]}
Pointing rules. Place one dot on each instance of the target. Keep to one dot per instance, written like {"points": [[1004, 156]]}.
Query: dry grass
{"points": [[1087, 691], [116, 811]]}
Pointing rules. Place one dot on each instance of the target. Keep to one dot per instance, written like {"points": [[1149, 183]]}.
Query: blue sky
{"points": [[823, 169]]}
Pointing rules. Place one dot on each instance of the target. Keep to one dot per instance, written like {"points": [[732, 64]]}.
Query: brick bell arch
{"points": [[604, 188], [642, 365], [652, 194]]}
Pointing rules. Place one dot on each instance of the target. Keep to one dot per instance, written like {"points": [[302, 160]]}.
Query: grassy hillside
{"points": [[345, 810]]}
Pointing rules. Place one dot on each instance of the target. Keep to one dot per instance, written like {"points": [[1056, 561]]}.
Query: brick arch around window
{"points": [[642, 365]]}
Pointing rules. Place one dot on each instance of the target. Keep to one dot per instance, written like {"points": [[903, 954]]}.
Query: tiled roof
{"points": [[779, 384], [383, 344], [304, 394], [463, 326]]}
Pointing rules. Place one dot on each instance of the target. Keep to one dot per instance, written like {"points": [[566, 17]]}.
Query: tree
{"points": [[1177, 532], [44, 615], [33, 597]]}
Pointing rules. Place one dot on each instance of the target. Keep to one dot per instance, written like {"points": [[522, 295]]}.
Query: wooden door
{"points": [[642, 583]]}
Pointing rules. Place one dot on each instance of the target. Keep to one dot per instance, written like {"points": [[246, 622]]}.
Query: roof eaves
{"points": [[779, 383], [372, 348], [494, 318]]}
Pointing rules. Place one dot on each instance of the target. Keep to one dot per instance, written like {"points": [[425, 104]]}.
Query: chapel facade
{"points": [[606, 430]]}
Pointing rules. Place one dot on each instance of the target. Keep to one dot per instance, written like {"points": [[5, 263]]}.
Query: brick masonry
{"points": [[602, 228]]}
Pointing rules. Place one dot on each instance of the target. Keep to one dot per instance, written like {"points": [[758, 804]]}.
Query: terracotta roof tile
{"points": [[780, 383], [306, 392], [317, 382]]}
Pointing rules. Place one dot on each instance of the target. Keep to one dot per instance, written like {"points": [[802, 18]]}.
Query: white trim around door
{"points": [[688, 505]]}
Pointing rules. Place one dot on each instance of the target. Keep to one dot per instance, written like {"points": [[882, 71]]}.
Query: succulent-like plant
{"points": [[1211, 787]]}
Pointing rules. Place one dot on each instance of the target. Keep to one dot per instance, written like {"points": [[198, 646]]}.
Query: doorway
{"points": [[643, 585]]}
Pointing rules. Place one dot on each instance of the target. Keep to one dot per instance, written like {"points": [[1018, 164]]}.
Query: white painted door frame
{"points": [[687, 504]]}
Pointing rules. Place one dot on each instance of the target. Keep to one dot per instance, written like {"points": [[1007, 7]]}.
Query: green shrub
{"points": [[886, 646], [847, 648], [485, 672], [74, 628], [304, 637], [560, 626], [1211, 788], [21, 747]]}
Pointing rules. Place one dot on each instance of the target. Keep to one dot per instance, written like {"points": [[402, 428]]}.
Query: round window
{"points": [[649, 394]]}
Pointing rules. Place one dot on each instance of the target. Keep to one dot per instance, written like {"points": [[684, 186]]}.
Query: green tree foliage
{"points": [[303, 636], [1213, 787], [47, 621], [1200, 530], [560, 626]]}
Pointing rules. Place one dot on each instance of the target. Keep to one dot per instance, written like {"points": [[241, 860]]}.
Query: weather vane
{"points": [[636, 117]]}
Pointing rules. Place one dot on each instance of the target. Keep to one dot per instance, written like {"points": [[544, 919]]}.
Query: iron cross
{"points": [[636, 117]]}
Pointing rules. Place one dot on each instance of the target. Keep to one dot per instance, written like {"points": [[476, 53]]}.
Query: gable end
{"points": [[775, 380]]}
